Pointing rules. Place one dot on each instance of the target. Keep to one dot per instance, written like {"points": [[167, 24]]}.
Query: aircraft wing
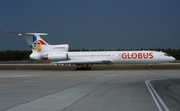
{"points": [[91, 61]]}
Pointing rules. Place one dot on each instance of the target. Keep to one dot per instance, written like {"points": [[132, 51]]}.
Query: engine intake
{"points": [[36, 56]]}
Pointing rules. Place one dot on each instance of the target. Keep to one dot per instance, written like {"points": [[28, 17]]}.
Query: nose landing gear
{"points": [[150, 66]]}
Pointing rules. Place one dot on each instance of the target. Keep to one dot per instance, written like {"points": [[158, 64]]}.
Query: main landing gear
{"points": [[84, 67]]}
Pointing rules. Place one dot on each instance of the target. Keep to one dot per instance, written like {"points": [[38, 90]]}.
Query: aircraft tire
{"points": [[83, 68]]}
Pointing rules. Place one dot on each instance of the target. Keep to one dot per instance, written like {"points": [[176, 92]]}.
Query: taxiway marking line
{"points": [[155, 95]]}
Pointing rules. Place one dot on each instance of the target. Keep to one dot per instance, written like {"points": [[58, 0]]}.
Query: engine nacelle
{"points": [[62, 47], [57, 57]]}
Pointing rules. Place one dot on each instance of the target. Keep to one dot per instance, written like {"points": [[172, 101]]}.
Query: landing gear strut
{"points": [[84, 67], [150, 66]]}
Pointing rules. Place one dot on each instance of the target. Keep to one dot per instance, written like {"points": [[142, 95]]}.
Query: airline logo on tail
{"points": [[36, 45]]}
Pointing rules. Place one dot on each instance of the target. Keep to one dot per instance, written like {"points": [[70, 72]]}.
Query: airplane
{"points": [[59, 54]]}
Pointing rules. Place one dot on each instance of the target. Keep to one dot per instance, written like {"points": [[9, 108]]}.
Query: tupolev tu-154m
{"points": [[59, 54]]}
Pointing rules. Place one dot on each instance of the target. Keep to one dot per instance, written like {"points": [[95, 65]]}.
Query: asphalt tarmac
{"points": [[114, 90]]}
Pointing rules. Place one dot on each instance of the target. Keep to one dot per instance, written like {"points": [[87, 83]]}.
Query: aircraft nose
{"points": [[173, 59]]}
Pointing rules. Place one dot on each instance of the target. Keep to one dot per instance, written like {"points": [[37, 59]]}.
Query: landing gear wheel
{"points": [[83, 68], [150, 66], [77, 68], [89, 68]]}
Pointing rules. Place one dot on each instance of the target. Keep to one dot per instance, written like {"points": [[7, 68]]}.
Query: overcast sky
{"points": [[92, 24]]}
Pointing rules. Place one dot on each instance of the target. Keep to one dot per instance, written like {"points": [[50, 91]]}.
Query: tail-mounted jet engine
{"points": [[57, 57]]}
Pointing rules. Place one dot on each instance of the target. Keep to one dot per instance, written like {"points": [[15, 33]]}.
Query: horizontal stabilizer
{"points": [[26, 34]]}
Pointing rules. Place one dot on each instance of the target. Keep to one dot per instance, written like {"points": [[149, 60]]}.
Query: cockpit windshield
{"points": [[166, 54]]}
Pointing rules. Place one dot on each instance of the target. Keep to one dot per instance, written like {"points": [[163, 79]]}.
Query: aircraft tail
{"points": [[36, 43], [40, 48]]}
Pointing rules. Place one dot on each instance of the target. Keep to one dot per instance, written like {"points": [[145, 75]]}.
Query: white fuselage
{"points": [[119, 57]]}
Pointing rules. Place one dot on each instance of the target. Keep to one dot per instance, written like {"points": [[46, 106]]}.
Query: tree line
{"points": [[17, 55], [14, 55]]}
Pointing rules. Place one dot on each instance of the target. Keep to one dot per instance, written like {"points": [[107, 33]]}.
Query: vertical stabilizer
{"points": [[39, 47], [36, 43]]}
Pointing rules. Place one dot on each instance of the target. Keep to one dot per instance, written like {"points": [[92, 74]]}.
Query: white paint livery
{"points": [[59, 54]]}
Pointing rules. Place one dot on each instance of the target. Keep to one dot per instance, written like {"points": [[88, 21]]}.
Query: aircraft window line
{"points": [[90, 55]]}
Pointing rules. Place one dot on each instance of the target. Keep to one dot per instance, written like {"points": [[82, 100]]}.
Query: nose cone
{"points": [[172, 59]]}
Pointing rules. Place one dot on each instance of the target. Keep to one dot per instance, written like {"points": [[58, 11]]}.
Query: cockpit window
{"points": [[166, 54]]}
